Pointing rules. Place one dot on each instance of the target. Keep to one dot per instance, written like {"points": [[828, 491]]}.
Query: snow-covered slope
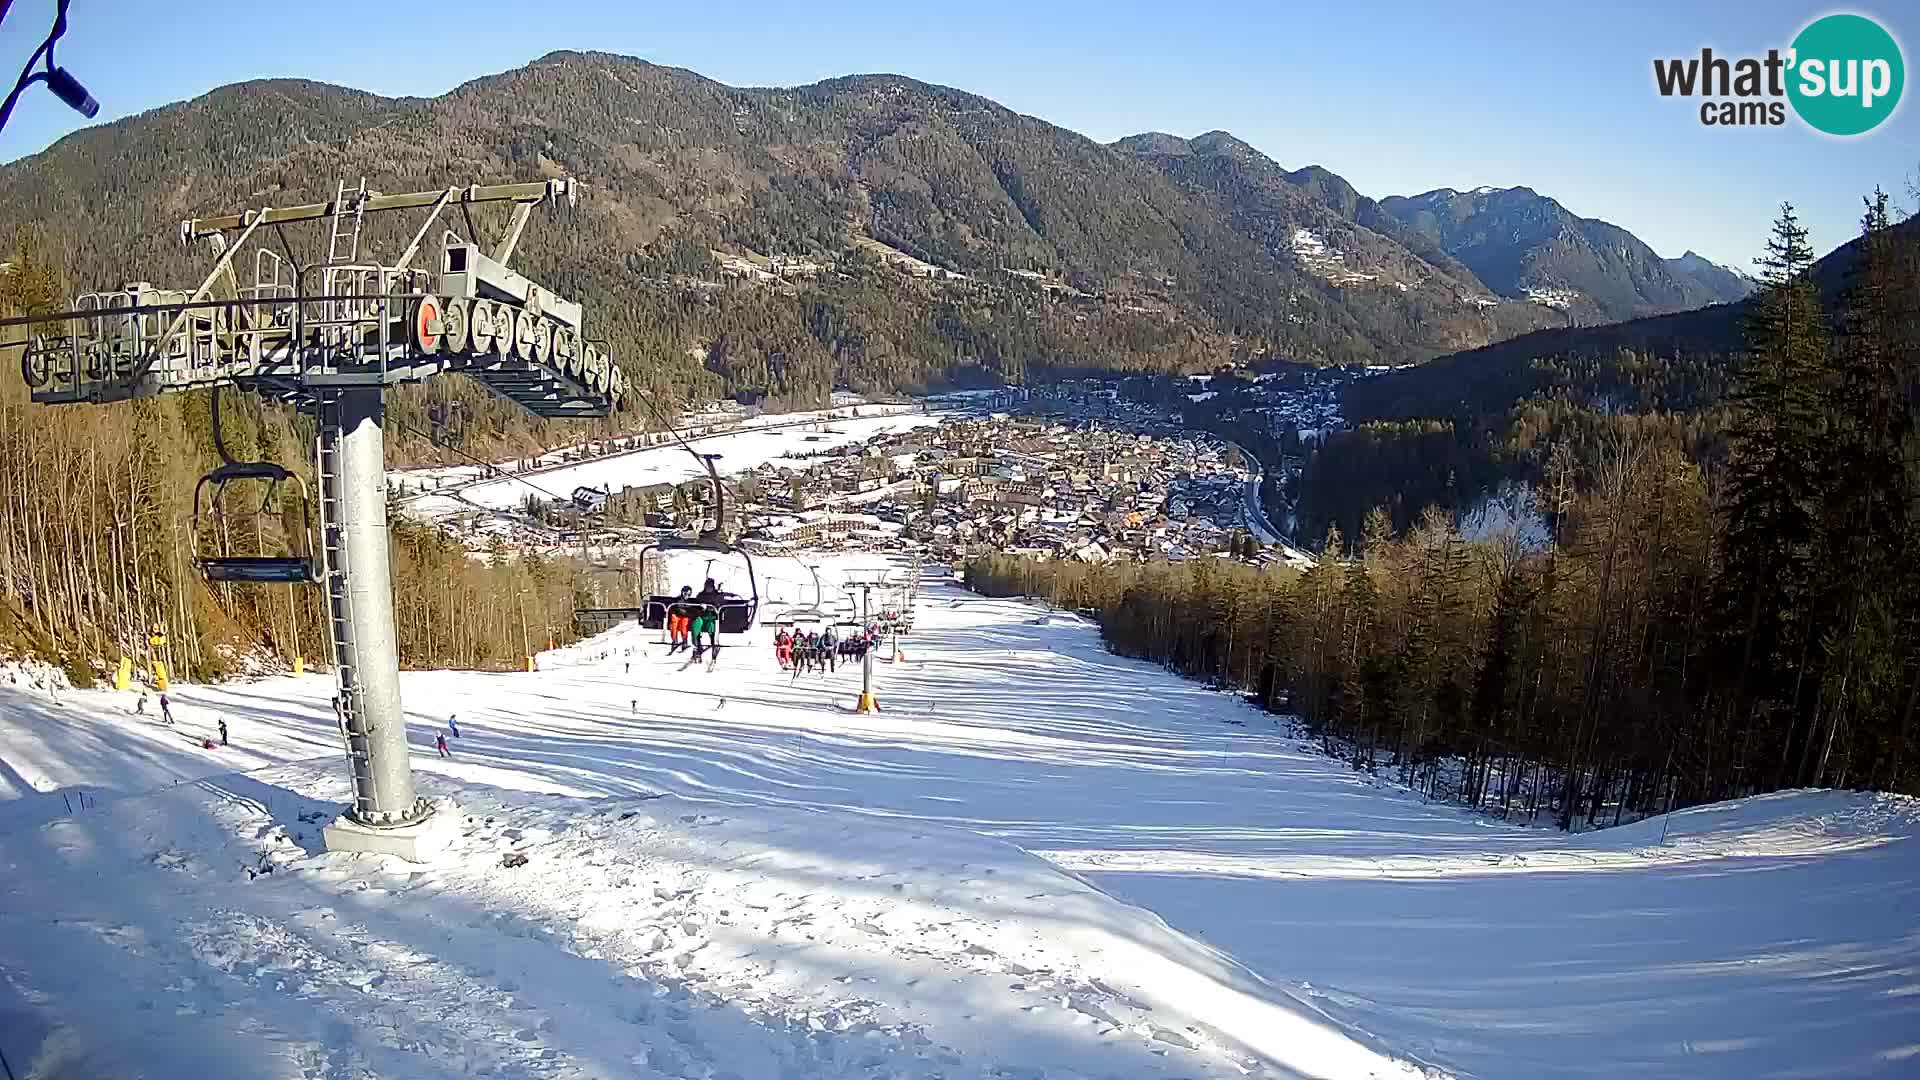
{"points": [[1040, 861], [438, 493]]}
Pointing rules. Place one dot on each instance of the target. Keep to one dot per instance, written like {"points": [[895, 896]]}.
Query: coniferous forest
{"points": [[1727, 602]]}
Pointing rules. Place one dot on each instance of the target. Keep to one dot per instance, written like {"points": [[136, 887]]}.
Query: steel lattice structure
{"points": [[329, 337]]}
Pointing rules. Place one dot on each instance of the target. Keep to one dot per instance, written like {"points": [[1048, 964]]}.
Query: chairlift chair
{"points": [[737, 614], [794, 616], [449, 421], [845, 630], [294, 568]]}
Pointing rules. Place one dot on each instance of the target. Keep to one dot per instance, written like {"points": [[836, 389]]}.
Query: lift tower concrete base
{"points": [[329, 337]]}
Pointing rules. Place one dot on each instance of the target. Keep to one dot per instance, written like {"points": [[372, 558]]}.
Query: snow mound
{"points": [[589, 937], [34, 675]]}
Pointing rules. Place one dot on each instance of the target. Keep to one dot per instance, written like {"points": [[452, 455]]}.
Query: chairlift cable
{"points": [[483, 464]]}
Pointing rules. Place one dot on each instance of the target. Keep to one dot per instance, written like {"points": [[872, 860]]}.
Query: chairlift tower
{"points": [[864, 582], [329, 337]]}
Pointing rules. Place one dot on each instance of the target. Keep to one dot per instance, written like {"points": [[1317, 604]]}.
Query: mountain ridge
{"points": [[1513, 242], [1523, 243], [959, 240]]}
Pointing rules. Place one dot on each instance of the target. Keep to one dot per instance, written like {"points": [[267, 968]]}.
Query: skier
{"points": [[679, 619], [140, 707], [711, 596], [453, 725], [783, 649], [166, 711], [705, 630], [223, 731], [440, 744], [828, 646]]}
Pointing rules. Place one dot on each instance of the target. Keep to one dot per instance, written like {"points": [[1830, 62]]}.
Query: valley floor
{"points": [[1039, 861]]}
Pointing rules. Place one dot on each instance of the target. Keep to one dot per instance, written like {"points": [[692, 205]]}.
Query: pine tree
{"points": [[1319, 619], [1492, 686], [1773, 490], [1864, 518], [1354, 706]]}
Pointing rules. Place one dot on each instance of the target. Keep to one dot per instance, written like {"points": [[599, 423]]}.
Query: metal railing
{"points": [[357, 321]]}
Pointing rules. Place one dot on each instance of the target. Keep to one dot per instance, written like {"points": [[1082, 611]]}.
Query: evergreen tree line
{"points": [[1694, 628]]}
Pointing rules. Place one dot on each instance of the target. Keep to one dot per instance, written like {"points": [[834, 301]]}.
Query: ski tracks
{"points": [[641, 938], [764, 958]]}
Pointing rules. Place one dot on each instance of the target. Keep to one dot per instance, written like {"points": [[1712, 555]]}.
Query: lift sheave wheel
{"points": [[428, 331], [454, 325], [485, 331]]}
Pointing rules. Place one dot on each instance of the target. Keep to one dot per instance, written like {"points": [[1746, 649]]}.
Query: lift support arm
{"points": [[537, 191]]}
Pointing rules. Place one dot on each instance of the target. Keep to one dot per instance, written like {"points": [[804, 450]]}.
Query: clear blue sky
{"points": [[1397, 97]]}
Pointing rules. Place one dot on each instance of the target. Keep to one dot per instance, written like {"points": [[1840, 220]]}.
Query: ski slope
{"points": [[1040, 861], [455, 490]]}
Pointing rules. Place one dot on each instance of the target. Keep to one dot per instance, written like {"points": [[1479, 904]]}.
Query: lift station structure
{"points": [[329, 337]]}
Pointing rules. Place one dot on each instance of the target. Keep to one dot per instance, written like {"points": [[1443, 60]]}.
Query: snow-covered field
{"points": [[1039, 861], [449, 491]]}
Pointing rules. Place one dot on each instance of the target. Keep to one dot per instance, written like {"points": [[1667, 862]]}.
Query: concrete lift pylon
{"points": [[329, 338]]}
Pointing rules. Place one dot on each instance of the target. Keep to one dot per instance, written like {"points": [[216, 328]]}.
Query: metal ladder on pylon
{"points": [[333, 578], [332, 283], [334, 254]]}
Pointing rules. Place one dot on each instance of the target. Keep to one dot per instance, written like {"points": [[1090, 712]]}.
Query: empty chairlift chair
{"points": [[296, 566]]}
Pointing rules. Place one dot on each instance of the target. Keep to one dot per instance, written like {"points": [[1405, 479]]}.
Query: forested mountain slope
{"points": [[1522, 243], [1705, 585], [871, 231], [1594, 363]]}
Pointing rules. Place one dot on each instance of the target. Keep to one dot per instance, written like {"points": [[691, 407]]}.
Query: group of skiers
{"points": [[695, 620], [166, 708], [166, 718], [817, 650]]}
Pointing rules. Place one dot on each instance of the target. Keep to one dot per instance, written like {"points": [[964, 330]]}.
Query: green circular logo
{"points": [[1847, 74]]}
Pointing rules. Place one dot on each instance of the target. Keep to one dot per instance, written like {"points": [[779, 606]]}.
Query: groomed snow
{"points": [[1040, 861]]}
